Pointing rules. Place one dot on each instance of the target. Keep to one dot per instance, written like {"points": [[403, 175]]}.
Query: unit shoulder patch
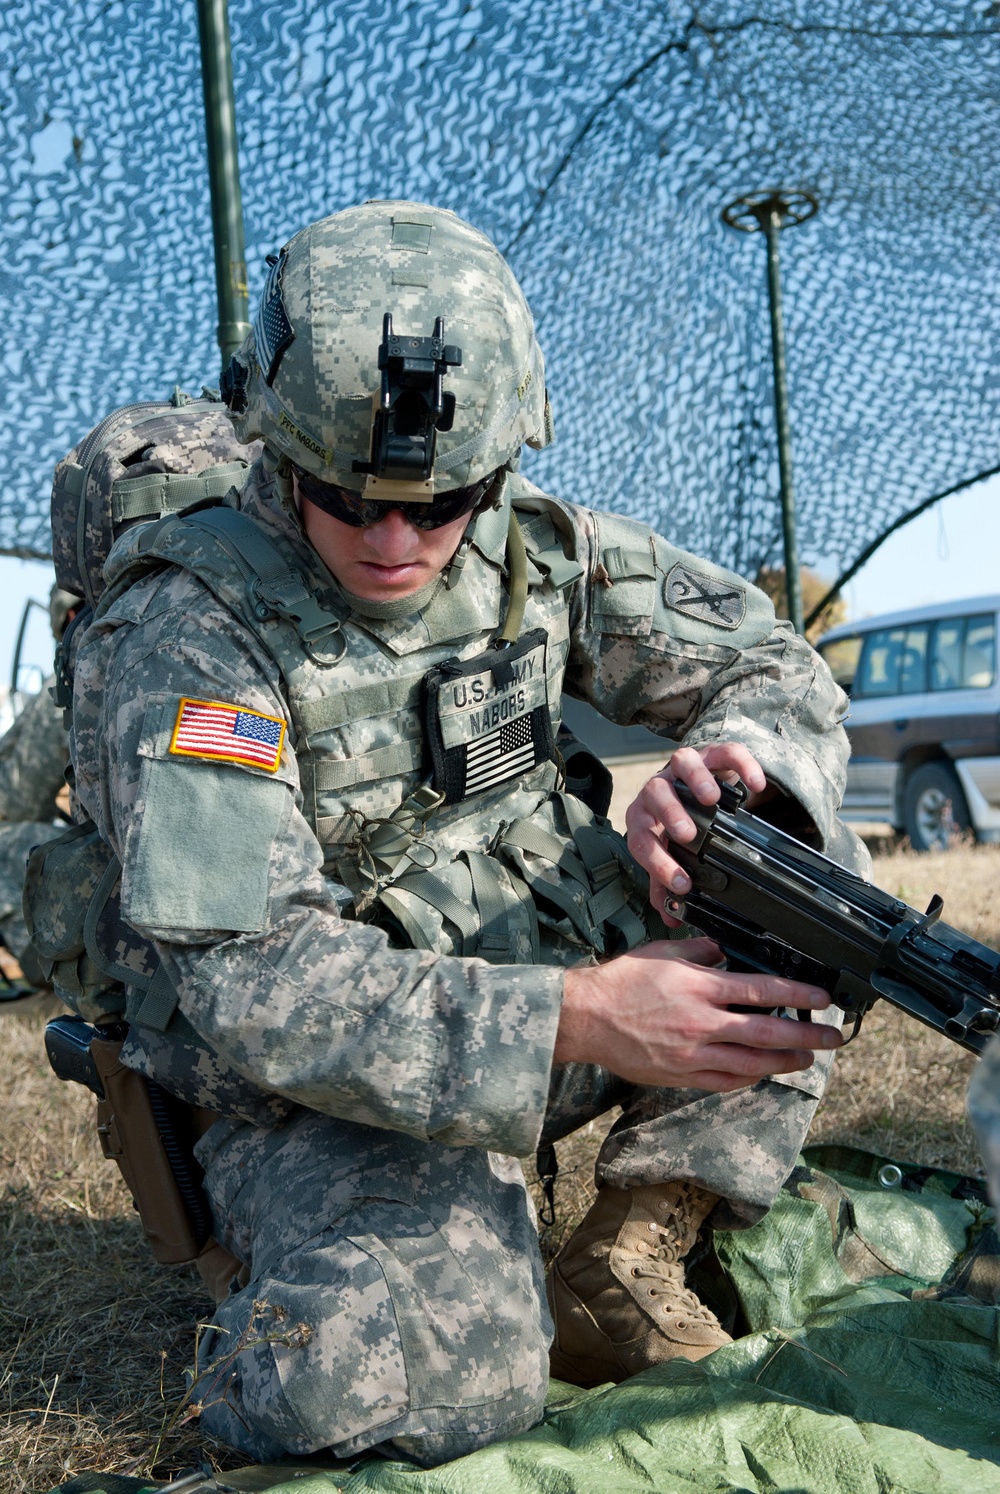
{"points": [[223, 733], [707, 598]]}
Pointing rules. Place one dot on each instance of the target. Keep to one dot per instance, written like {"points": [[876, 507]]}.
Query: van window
{"points": [[963, 653], [913, 662], [946, 654], [881, 658], [894, 662], [979, 661], [956, 653], [842, 656]]}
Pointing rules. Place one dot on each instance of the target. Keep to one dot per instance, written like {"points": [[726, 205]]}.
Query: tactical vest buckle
{"points": [[286, 596]]}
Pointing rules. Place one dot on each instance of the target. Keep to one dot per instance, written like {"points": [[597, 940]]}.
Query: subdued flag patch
{"points": [[504, 754], [227, 734]]}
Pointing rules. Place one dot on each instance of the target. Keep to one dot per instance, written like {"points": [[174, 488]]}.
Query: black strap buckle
{"points": [[547, 1166]]}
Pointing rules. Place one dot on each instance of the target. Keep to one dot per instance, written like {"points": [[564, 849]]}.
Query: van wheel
{"points": [[935, 814]]}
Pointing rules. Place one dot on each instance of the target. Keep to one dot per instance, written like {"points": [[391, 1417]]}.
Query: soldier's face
{"points": [[389, 559]]}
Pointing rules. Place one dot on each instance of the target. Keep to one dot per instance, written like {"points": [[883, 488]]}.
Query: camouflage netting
{"points": [[598, 145]]}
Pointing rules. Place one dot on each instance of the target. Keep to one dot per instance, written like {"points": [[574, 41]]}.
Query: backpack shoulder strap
{"points": [[231, 555]]}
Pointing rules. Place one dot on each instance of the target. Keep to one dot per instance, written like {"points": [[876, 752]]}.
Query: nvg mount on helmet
{"points": [[413, 404]]}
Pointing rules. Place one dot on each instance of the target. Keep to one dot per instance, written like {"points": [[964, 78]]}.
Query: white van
{"points": [[924, 721]]}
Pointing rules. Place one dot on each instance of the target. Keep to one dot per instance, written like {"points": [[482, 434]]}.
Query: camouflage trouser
{"points": [[415, 1268]]}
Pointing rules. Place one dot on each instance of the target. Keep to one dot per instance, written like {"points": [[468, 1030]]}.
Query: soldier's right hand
{"points": [[663, 1015]]}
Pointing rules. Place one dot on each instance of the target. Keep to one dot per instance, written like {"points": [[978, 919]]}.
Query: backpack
{"points": [[141, 462]]}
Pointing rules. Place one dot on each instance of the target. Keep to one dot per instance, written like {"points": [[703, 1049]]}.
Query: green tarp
{"points": [[868, 1363]]}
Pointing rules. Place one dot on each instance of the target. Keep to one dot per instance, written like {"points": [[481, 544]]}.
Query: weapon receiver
{"points": [[776, 907]]}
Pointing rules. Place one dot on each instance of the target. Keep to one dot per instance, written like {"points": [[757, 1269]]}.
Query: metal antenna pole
{"points": [[769, 213], [224, 175], [793, 587]]}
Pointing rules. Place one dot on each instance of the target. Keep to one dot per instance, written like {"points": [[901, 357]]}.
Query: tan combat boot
{"points": [[616, 1289]]}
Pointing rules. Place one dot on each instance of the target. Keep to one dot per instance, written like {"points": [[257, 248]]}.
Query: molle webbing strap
{"points": [[158, 1003], [357, 703], [159, 493], [99, 900], [629, 925], [528, 837], [489, 534], [430, 889], [525, 836], [593, 867], [557, 569], [610, 901], [496, 935], [384, 762], [543, 542], [517, 561]]}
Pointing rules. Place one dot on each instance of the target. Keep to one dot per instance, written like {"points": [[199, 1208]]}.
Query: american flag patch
{"points": [[227, 734], [503, 754]]}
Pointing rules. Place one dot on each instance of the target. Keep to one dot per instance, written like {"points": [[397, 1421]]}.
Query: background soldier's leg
{"points": [[415, 1271]]}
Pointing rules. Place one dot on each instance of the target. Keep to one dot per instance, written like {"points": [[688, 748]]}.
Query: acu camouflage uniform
{"points": [[374, 1095], [34, 755]]}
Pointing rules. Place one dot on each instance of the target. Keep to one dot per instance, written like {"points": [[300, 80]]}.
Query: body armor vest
{"points": [[554, 883], [517, 870]]}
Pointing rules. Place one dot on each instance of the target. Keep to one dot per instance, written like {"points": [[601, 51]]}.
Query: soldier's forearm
{"points": [[664, 1016]]}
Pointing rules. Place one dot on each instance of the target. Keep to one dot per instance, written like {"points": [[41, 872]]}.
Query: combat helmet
{"points": [[392, 354]]}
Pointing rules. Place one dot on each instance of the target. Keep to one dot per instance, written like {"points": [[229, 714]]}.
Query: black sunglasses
{"points": [[358, 511]]}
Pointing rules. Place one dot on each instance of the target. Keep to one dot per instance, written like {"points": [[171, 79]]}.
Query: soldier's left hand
{"points": [[656, 816]]}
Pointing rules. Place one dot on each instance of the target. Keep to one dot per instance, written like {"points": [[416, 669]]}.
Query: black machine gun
{"points": [[776, 907]]}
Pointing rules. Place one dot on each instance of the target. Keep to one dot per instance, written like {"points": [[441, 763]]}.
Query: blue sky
{"points": [[951, 551]]}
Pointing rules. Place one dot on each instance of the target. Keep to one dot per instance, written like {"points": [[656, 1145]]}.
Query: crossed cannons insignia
{"points": [[704, 597]]}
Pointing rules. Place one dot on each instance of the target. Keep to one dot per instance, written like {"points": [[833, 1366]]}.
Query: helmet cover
{"points": [[307, 378]]}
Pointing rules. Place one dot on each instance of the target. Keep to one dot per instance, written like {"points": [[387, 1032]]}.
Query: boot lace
{"points": [[670, 1239]]}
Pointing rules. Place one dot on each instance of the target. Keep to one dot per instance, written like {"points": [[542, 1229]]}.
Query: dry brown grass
{"points": [[95, 1337], [899, 1088]]}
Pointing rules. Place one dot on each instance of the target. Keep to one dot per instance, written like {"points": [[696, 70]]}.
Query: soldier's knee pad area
{"points": [[352, 1341], [414, 1319]]}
